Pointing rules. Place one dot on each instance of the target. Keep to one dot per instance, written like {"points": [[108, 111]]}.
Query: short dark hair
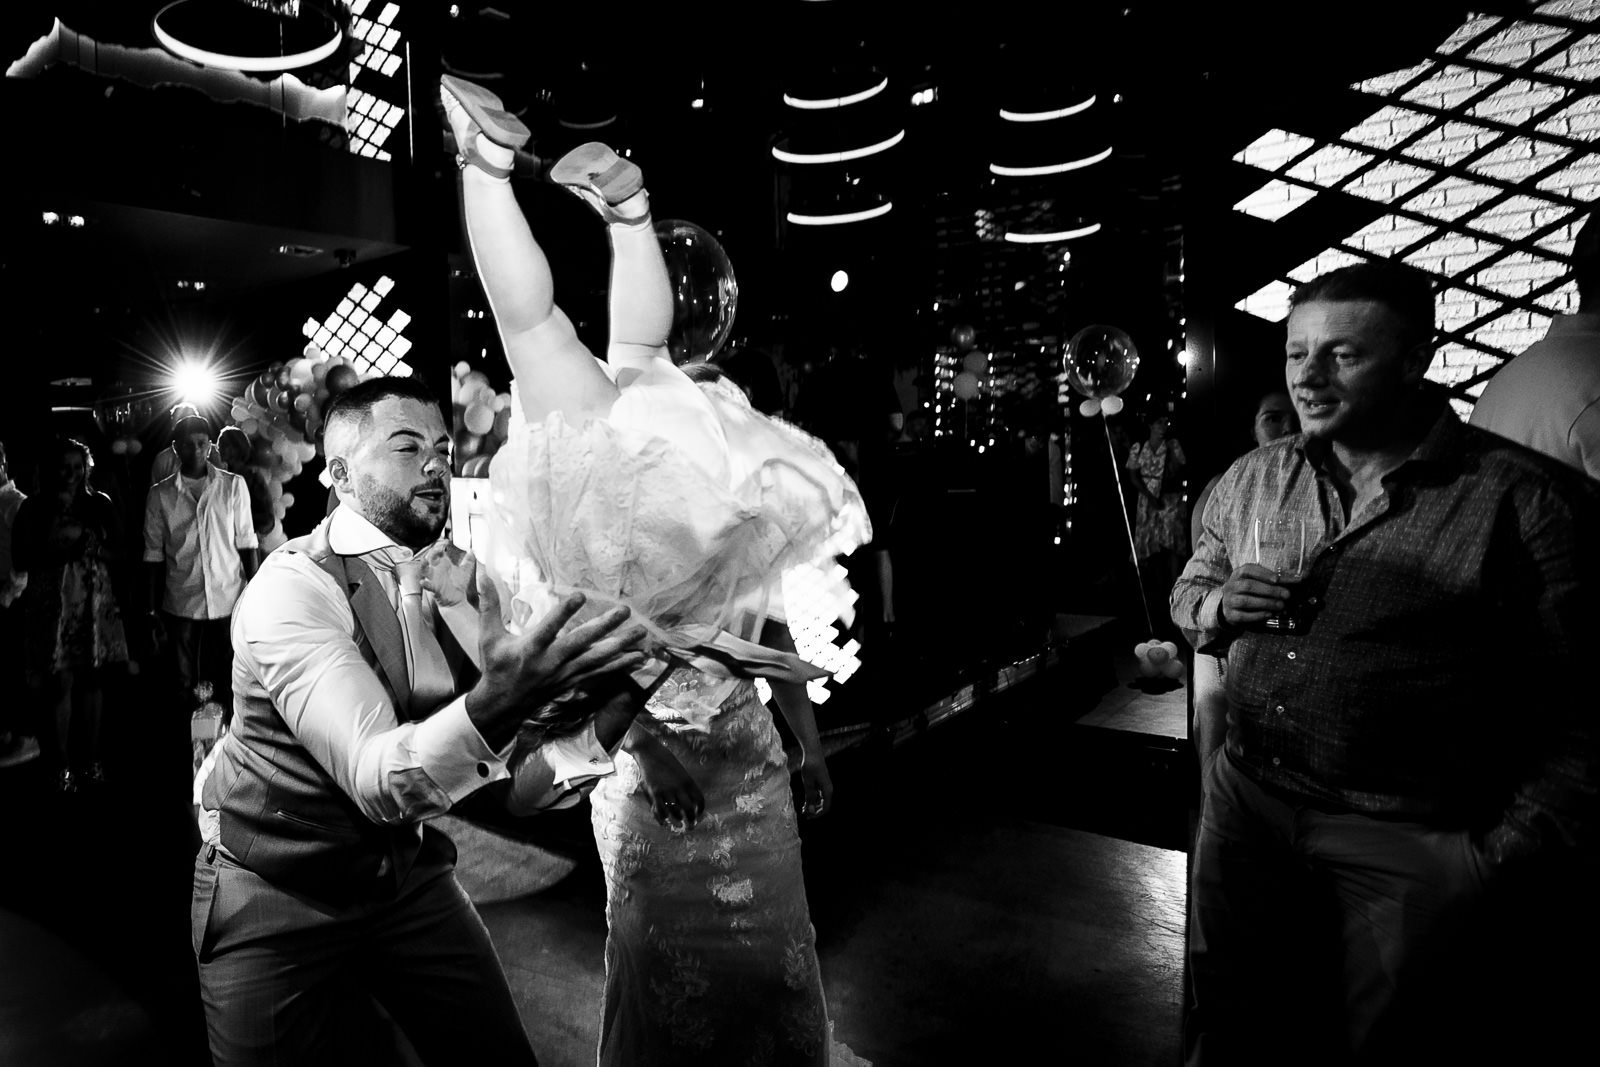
{"points": [[358, 401], [1405, 291], [1586, 260], [190, 424]]}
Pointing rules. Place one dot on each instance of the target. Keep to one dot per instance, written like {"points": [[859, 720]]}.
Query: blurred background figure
{"points": [[234, 451], [67, 539], [1160, 535], [166, 462], [1548, 398], [199, 551], [17, 741]]}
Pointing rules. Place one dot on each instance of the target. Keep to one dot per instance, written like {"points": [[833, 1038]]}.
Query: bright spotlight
{"points": [[195, 383], [839, 281]]}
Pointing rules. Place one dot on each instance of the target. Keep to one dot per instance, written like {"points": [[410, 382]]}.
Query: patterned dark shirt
{"points": [[1436, 677]]}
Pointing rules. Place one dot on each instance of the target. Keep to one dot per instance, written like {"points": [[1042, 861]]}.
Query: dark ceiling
{"points": [[1192, 84]]}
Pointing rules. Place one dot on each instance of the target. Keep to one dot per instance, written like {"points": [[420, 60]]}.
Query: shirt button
{"points": [[1291, 655], [1313, 601], [483, 770], [1276, 761], [1278, 709]]}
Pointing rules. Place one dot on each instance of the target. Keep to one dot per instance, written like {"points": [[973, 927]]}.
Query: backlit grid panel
{"points": [[1485, 157], [373, 113], [370, 338]]}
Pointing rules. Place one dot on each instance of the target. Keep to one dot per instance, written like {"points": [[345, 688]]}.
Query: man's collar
{"points": [[350, 534]]}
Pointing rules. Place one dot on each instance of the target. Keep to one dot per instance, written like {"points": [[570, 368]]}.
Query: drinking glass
{"points": [[1280, 546]]}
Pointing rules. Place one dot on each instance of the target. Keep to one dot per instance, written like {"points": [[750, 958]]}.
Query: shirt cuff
{"points": [[154, 555], [1210, 614], [247, 542], [579, 758], [449, 749]]}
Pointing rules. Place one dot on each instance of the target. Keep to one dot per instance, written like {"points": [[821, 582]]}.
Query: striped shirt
{"points": [[1436, 677]]}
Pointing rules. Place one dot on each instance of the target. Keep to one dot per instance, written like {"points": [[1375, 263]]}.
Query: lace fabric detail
{"points": [[628, 516], [710, 952]]}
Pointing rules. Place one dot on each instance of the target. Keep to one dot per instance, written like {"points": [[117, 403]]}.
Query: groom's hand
{"points": [[532, 676]]}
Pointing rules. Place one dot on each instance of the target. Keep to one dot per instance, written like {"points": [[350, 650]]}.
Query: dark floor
{"points": [[1006, 885]]}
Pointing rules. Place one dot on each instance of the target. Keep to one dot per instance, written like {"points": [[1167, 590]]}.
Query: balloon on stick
{"points": [[705, 294]]}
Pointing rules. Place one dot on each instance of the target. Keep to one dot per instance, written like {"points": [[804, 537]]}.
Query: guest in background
{"points": [[17, 741], [66, 540], [199, 551], [1548, 398], [234, 450], [166, 462], [1160, 534]]}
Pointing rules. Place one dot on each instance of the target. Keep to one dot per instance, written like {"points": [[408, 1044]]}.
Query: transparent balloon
{"points": [[704, 291], [1100, 361]]}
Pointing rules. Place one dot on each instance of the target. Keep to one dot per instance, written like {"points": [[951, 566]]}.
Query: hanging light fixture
{"points": [[253, 36]]}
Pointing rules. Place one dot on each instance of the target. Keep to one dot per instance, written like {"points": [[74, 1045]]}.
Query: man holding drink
{"points": [[1402, 599]]}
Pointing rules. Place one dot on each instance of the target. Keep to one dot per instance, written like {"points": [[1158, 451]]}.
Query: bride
{"points": [[626, 480]]}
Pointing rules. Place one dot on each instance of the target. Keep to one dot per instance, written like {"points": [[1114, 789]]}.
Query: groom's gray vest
{"points": [[282, 816]]}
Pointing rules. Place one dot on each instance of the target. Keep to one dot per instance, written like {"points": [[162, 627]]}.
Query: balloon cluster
{"points": [[705, 293], [482, 420], [1158, 658], [1099, 362], [969, 380], [280, 410]]}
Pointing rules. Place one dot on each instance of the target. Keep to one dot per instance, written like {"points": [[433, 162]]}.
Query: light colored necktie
{"points": [[431, 681]]}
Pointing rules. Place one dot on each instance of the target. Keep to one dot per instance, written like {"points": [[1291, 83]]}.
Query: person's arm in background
{"points": [[155, 565], [244, 530], [795, 704]]}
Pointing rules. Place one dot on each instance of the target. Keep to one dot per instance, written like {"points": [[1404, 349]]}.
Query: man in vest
{"points": [[319, 886]]}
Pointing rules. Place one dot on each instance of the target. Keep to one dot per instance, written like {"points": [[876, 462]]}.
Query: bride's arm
{"points": [[675, 797], [795, 704]]}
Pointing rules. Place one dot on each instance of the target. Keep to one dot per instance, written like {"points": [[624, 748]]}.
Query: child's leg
{"points": [[641, 294], [554, 370], [640, 304]]}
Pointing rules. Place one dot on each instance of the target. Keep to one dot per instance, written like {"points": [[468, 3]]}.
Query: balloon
{"points": [[302, 374], [135, 446], [340, 378], [258, 391], [467, 446], [976, 362], [302, 403], [312, 352], [1111, 405], [963, 336], [479, 418], [119, 446], [1089, 408], [1100, 361], [966, 385], [705, 294], [476, 467], [462, 369]]}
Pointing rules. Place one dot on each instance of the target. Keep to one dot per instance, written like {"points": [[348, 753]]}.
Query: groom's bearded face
{"points": [[398, 470]]}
